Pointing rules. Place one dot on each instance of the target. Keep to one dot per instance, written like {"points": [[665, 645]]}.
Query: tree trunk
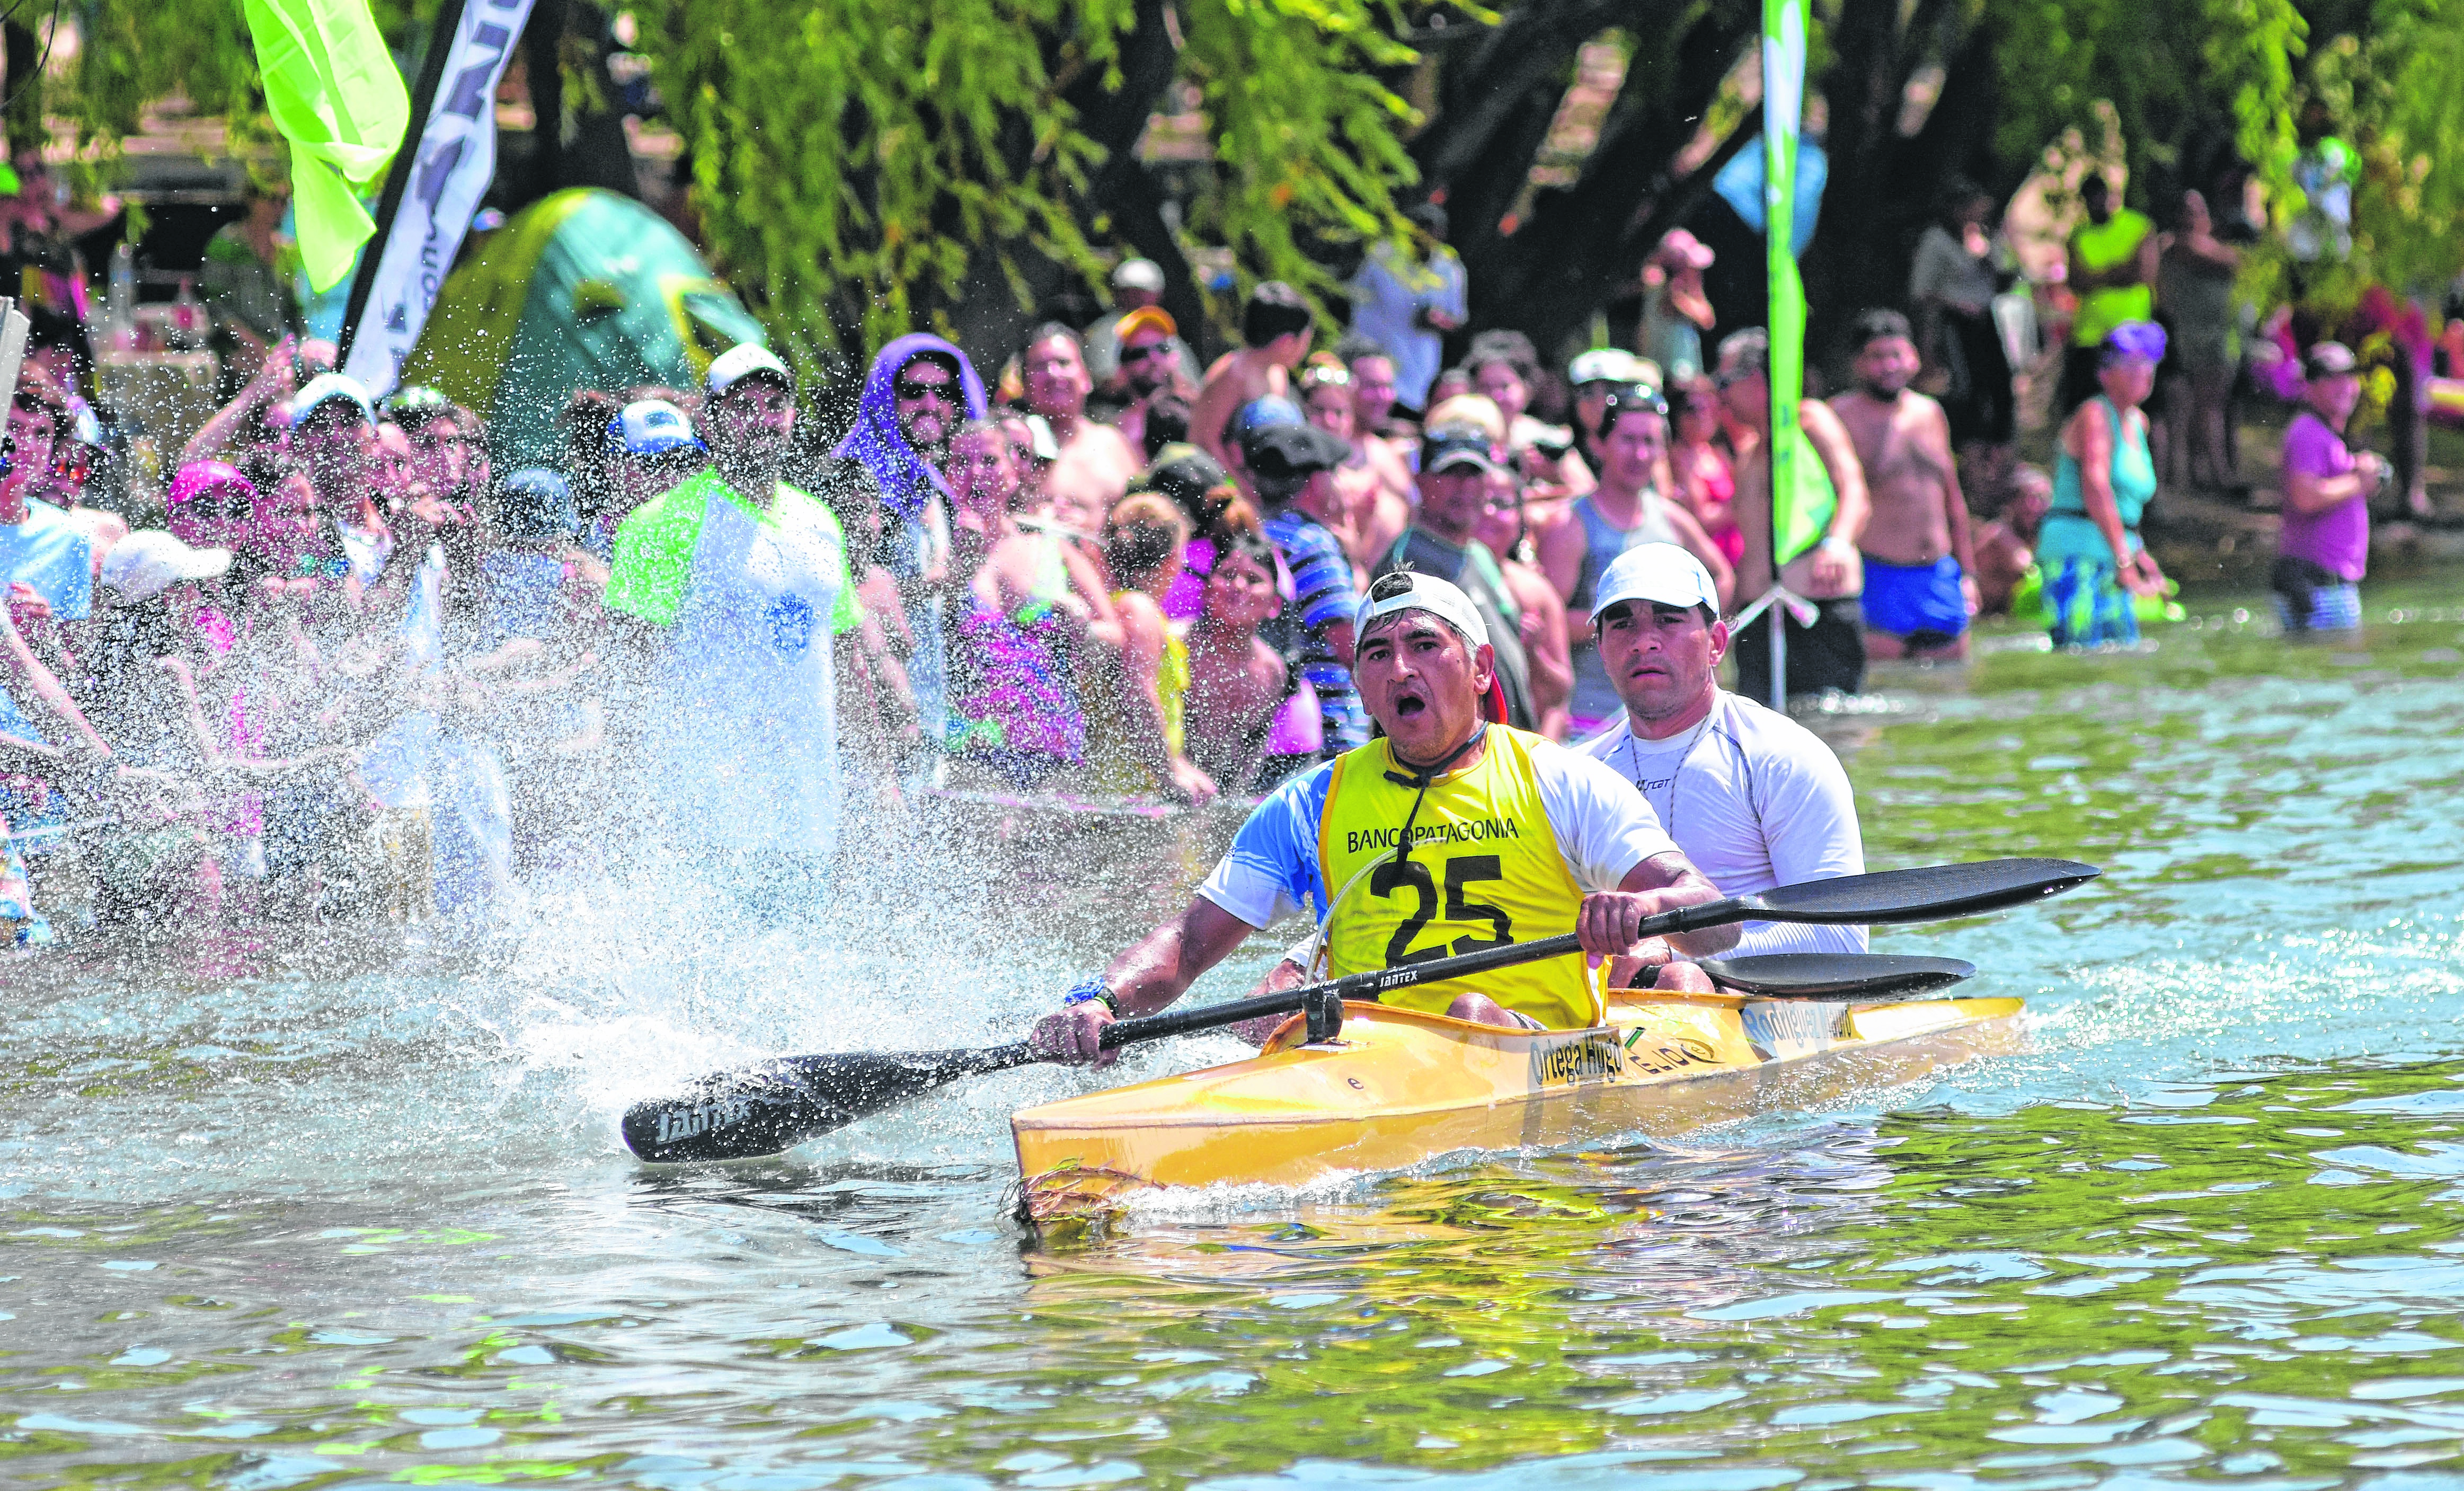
{"points": [[596, 154]]}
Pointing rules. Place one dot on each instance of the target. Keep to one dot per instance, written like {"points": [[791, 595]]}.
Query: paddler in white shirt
{"points": [[1450, 834], [1754, 798]]}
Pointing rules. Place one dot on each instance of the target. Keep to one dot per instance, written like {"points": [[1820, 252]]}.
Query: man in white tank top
{"points": [[1623, 512], [1754, 798]]}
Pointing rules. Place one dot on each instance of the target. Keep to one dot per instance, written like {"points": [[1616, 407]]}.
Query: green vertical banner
{"points": [[1797, 526], [337, 96]]}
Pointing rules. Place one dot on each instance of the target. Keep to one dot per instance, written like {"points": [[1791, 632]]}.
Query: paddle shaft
{"points": [[1374, 981]]}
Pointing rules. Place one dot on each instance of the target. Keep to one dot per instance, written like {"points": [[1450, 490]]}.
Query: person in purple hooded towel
{"points": [[919, 391]]}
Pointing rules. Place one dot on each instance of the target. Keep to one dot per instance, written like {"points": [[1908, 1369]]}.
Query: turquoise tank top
{"points": [[2068, 531]]}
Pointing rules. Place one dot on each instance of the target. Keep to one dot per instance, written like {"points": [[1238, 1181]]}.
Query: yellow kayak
{"points": [[1396, 1087]]}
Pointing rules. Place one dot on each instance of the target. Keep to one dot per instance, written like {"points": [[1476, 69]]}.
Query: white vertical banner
{"points": [[454, 160]]}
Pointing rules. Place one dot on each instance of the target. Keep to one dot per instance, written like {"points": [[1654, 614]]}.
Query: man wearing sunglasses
{"points": [[1626, 510], [921, 389], [1152, 359], [1451, 833], [1443, 541]]}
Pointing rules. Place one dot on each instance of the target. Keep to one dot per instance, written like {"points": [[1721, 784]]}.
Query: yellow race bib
{"points": [[1484, 870]]}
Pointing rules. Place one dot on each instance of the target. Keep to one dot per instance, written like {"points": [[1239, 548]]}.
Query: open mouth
{"points": [[1410, 703]]}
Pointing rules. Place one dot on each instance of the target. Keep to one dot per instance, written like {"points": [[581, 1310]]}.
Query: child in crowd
{"points": [[1237, 682], [1135, 727]]}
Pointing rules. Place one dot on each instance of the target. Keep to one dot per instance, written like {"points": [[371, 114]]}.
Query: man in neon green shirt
{"points": [[742, 582], [2112, 270]]}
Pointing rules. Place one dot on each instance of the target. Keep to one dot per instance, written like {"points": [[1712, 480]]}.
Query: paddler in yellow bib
{"points": [[1450, 834]]}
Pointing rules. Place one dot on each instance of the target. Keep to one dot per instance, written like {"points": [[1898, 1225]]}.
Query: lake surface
{"points": [[313, 1215]]}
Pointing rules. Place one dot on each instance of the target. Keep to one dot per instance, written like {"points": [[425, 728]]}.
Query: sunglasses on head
{"points": [[222, 505], [1387, 587], [909, 391], [1625, 401]]}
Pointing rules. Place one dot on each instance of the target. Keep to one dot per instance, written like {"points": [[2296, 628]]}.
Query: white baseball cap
{"points": [[1408, 590], [1139, 274], [327, 389], [144, 565], [1609, 365], [743, 361], [1662, 574]]}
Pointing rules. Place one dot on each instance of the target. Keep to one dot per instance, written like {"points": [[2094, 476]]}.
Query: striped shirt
{"points": [[1323, 597]]}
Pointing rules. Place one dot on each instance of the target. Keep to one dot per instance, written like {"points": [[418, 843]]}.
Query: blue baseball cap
{"points": [[1265, 414], [743, 361], [652, 427]]}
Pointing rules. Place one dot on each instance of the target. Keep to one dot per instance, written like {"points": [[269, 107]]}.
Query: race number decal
{"points": [[1462, 872], [1594, 1057]]}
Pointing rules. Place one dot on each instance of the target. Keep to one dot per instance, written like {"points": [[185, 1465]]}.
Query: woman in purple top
{"points": [[2325, 545]]}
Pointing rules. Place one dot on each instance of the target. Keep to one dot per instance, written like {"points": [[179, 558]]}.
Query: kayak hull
{"points": [[1397, 1087]]}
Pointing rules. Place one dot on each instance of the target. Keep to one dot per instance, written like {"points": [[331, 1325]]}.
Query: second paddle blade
{"points": [[772, 1107], [1932, 893], [1834, 975]]}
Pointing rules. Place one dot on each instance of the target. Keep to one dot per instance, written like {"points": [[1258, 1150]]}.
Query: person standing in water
{"points": [[2325, 547], [1821, 563], [741, 583], [2088, 548], [1918, 589]]}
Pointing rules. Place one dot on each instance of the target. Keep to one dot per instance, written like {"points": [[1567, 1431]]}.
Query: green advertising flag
{"points": [[1798, 517], [337, 96]]}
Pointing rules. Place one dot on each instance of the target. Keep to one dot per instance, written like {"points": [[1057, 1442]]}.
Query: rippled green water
{"points": [[306, 1215]]}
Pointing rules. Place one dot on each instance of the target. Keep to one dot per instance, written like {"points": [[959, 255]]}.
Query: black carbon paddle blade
{"points": [[1834, 975], [1932, 893], [766, 1109]]}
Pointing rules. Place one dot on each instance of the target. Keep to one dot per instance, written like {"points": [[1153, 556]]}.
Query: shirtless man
{"points": [[1376, 484], [1275, 329], [1095, 463], [1919, 570], [1150, 355]]}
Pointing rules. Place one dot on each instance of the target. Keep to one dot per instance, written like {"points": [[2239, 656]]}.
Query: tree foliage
{"points": [[859, 167], [868, 164]]}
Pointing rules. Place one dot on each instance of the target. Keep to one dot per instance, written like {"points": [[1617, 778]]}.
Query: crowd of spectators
{"points": [[355, 669]]}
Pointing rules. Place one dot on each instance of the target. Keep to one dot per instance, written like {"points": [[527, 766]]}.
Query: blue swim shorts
{"points": [[1918, 602]]}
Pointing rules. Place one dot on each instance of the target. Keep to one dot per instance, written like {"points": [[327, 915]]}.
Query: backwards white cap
{"points": [[1662, 574], [1407, 589], [743, 361]]}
